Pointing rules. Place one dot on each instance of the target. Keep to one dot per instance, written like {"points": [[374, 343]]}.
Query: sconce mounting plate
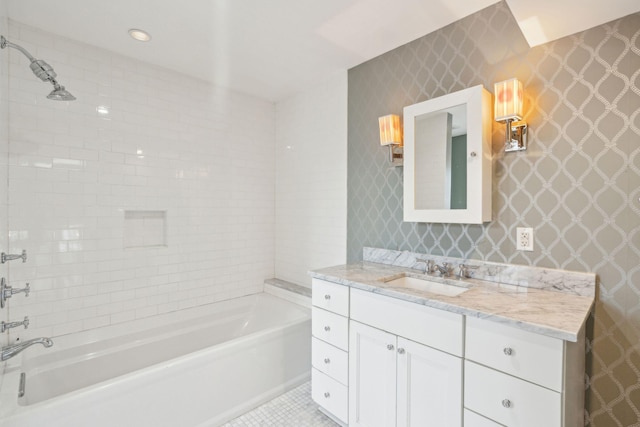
{"points": [[518, 140], [396, 154]]}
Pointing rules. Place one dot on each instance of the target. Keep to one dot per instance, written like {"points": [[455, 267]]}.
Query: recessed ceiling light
{"points": [[139, 35]]}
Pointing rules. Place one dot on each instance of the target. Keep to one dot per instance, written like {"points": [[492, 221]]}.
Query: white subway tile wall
{"points": [[138, 138], [311, 180]]}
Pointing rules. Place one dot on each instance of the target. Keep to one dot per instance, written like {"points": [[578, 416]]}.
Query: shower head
{"points": [[59, 93], [43, 71]]}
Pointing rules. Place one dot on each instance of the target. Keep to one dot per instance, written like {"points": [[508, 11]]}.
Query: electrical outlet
{"points": [[524, 239]]}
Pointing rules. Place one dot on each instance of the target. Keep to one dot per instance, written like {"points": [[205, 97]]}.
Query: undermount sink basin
{"points": [[416, 284]]}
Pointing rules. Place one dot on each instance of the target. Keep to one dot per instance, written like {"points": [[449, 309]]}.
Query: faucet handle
{"points": [[7, 291], [431, 266], [8, 325], [26, 290], [463, 270], [427, 264]]}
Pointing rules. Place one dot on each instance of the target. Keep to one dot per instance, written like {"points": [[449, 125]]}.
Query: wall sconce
{"points": [[508, 108], [391, 136]]}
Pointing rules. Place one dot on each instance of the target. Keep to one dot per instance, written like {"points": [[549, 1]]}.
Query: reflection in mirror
{"points": [[441, 142]]}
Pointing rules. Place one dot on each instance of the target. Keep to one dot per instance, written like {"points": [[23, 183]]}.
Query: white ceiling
{"points": [[275, 48]]}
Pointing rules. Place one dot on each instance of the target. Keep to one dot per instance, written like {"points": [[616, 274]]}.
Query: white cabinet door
{"points": [[429, 386], [372, 377]]}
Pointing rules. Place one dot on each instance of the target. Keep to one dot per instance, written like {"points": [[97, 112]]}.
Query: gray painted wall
{"points": [[578, 185]]}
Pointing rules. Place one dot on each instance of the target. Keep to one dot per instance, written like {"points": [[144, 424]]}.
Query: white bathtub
{"points": [[201, 371]]}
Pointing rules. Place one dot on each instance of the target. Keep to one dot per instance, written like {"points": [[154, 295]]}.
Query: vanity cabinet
{"points": [[398, 380], [329, 348], [383, 361]]}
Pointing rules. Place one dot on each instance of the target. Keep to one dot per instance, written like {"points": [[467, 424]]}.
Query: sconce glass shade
{"points": [[390, 130], [508, 100]]}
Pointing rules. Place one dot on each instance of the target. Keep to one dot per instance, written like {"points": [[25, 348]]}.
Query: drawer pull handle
{"points": [[326, 394], [327, 297], [508, 351], [390, 347], [327, 328], [401, 351], [506, 403], [327, 361]]}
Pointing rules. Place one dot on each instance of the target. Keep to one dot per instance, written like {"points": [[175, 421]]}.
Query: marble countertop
{"points": [[556, 314]]}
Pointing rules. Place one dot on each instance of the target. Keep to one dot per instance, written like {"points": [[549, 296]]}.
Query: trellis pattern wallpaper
{"points": [[578, 185]]}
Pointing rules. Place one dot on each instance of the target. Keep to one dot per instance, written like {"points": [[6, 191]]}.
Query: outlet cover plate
{"points": [[524, 239]]}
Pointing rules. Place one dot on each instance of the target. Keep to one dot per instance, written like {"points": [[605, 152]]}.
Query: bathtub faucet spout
{"points": [[11, 350]]}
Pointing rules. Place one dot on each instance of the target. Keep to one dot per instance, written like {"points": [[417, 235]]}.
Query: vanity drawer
{"points": [[330, 360], [533, 357], [435, 328], [330, 327], [330, 394], [330, 296], [471, 419], [509, 400]]}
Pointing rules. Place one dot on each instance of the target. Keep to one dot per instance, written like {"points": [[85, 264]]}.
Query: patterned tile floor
{"points": [[293, 409]]}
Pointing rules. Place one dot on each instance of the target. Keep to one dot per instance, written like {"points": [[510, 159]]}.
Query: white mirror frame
{"points": [[479, 166]]}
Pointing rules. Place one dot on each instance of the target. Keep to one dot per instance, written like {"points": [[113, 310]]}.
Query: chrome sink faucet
{"points": [[11, 350], [430, 266], [444, 269]]}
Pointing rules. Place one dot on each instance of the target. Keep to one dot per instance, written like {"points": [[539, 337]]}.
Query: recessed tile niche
{"points": [[145, 229]]}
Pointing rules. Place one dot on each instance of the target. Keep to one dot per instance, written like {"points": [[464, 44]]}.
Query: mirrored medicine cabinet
{"points": [[447, 158]]}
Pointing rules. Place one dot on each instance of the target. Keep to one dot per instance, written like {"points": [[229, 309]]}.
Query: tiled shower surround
{"points": [[577, 186], [154, 191], [138, 139]]}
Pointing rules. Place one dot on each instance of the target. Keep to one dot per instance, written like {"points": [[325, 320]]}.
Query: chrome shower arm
{"points": [[43, 71], [4, 43]]}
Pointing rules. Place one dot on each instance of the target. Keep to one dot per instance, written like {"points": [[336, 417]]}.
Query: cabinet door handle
{"points": [[401, 351], [506, 403], [327, 328], [326, 394], [508, 351], [390, 347], [327, 361], [327, 297]]}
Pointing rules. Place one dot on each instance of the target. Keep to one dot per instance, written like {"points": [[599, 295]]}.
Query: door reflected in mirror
{"points": [[441, 142]]}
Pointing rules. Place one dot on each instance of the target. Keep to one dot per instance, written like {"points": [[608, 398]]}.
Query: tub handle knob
{"points": [[8, 325], [7, 291], [327, 328], [327, 361], [327, 297], [10, 257], [326, 394]]}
